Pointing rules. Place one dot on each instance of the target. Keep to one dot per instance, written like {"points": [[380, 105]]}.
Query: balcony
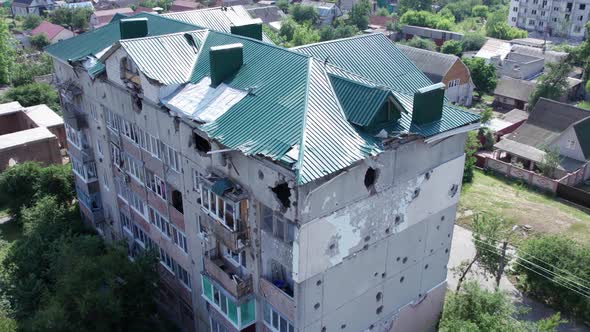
{"points": [[73, 116], [230, 277], [278, 298], [234, 240]]}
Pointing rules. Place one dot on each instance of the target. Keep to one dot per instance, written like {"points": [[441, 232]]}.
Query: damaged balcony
{"points": [[279, 295], [232, 278], [74, 116], [227, 209]]}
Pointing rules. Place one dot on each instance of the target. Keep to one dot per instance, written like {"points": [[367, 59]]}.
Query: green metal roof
{"points": [[95, 41], [372, 56], [217, 18], [360, 102], [168, 59]]}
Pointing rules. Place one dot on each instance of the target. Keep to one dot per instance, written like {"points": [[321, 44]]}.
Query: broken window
{"points": [[201, 144], [279, 275], [283, 194], [177, 200], [277, 226], [370, 177], [223, 210]]}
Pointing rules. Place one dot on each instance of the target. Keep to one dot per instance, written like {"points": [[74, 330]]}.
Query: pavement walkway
{"points": [[463, 249]]}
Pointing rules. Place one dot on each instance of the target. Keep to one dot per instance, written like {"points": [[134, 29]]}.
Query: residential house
{"points": [[53, 32], [513, 93], [445, 68], [506, 123], [74, 5], [30, 134], [498, 50], [31, 7], [270, 15], [439, 37], [328, 11], [519, 66], [346, 5], [268, 179], [553, 126], [103, 17], [550, 18], [184, 5]]}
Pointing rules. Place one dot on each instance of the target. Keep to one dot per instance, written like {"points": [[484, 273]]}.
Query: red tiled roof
{"points": [[50, 29]]}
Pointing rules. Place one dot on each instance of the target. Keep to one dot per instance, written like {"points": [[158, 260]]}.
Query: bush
{"points": [[472, 41], [304, 14], [425, 44], [480, 11], [452, 47], [34, 94], [31, 22], [551, 262], [471, 147], [39, 41]]}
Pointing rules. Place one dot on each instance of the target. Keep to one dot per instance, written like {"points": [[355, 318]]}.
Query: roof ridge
{"points": [[124, 41], [339, 40], [426, 51], [199, 10], [299, 164], [261, 43]]}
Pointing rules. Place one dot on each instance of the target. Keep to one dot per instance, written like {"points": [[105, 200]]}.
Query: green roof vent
{"points": [[251, 30], [428, 104], [225, 60], [133, 27]]}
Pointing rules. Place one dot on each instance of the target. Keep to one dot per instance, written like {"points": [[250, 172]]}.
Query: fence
{"points": [[515, 172], [573, 194]]}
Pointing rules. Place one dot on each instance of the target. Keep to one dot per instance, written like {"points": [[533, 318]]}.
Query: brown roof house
{"points": [[445, 68], [31, 7], [551, 126], [513, 93], [103, 17], [53, 32], [33, 133]]}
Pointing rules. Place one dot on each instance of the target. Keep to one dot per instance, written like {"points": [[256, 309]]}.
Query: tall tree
{"points": [[553, 84], [405, 5], [7, 54], [31, 21], [359, 14], [482, 74], [304, 14], [34, 94]]}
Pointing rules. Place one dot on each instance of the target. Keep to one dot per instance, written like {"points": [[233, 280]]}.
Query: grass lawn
{"points": [[523, 206], [584, 104]]}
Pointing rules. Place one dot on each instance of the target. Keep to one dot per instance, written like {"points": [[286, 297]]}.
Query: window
{"points": [[555, 19], [135, 169], [531, 22], [514, 19], [183, 276], [116, 155], [541, 23], [92, 202], [87, 171], [277, 226], [137, 204], [142, 238], [197, 180], [217, 327], [227, 308], [581, 18], [113, 121], [582, 6], [105, 182], [156, 184], [544, 3], [125, 223], [166, 260], [577, 29], [73, 136], [130, 131], [534, 12], [235, 257], [515, 9], [99, 148], [201, 228], [222, 210], [179, 239], [543, 13], [555, 8], [567, 17], [275, 321], [453, 83], [160, 222]]}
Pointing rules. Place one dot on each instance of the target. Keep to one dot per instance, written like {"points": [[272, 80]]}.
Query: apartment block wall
{"points": [[559, 18], [403, 214]]}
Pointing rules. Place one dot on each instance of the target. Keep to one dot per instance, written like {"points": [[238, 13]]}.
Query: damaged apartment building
{"points": [[308, 189]]}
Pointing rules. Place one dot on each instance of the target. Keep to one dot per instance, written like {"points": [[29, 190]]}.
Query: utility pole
{"points": [[502, 264]]}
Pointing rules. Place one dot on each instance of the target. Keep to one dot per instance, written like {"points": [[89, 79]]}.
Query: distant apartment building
{"points": [[33, 133], [308, 189], [552, 17]]}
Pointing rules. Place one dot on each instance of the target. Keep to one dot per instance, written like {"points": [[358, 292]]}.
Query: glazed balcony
{"points": [[237, 283]]}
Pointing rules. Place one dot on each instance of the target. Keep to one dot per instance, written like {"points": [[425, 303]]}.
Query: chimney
{"points": [[251, 30], [428, 104], [225, 60], [133, 28]]}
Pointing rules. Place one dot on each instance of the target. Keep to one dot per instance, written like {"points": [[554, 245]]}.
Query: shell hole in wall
{"points": [[319, 282], [379, 296], [453, 190], [324, 329], [201, 144], [260, 175], [405, 260], [343, 326], [316, 306], [401, 279], [370, 177], [283, 194], [379, 310]]}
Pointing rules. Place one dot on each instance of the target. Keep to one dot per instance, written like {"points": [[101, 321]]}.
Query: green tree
{"points": [[283, 5], [305, 34], [482, 74], [471, 146], [359, 14], [24, 72], [327, 32], [480, 11], [288, 26], [497, 27], [39, 41], [476, 309], [425, 44], [7, 54], [31, 22], [486, 115], [382, 12], [550, 162], [304, 14], [345, 31], [452, 47], [472, 41], [34, 94], [73, 18], [405, 5], [553, 84], [556, 270]]}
